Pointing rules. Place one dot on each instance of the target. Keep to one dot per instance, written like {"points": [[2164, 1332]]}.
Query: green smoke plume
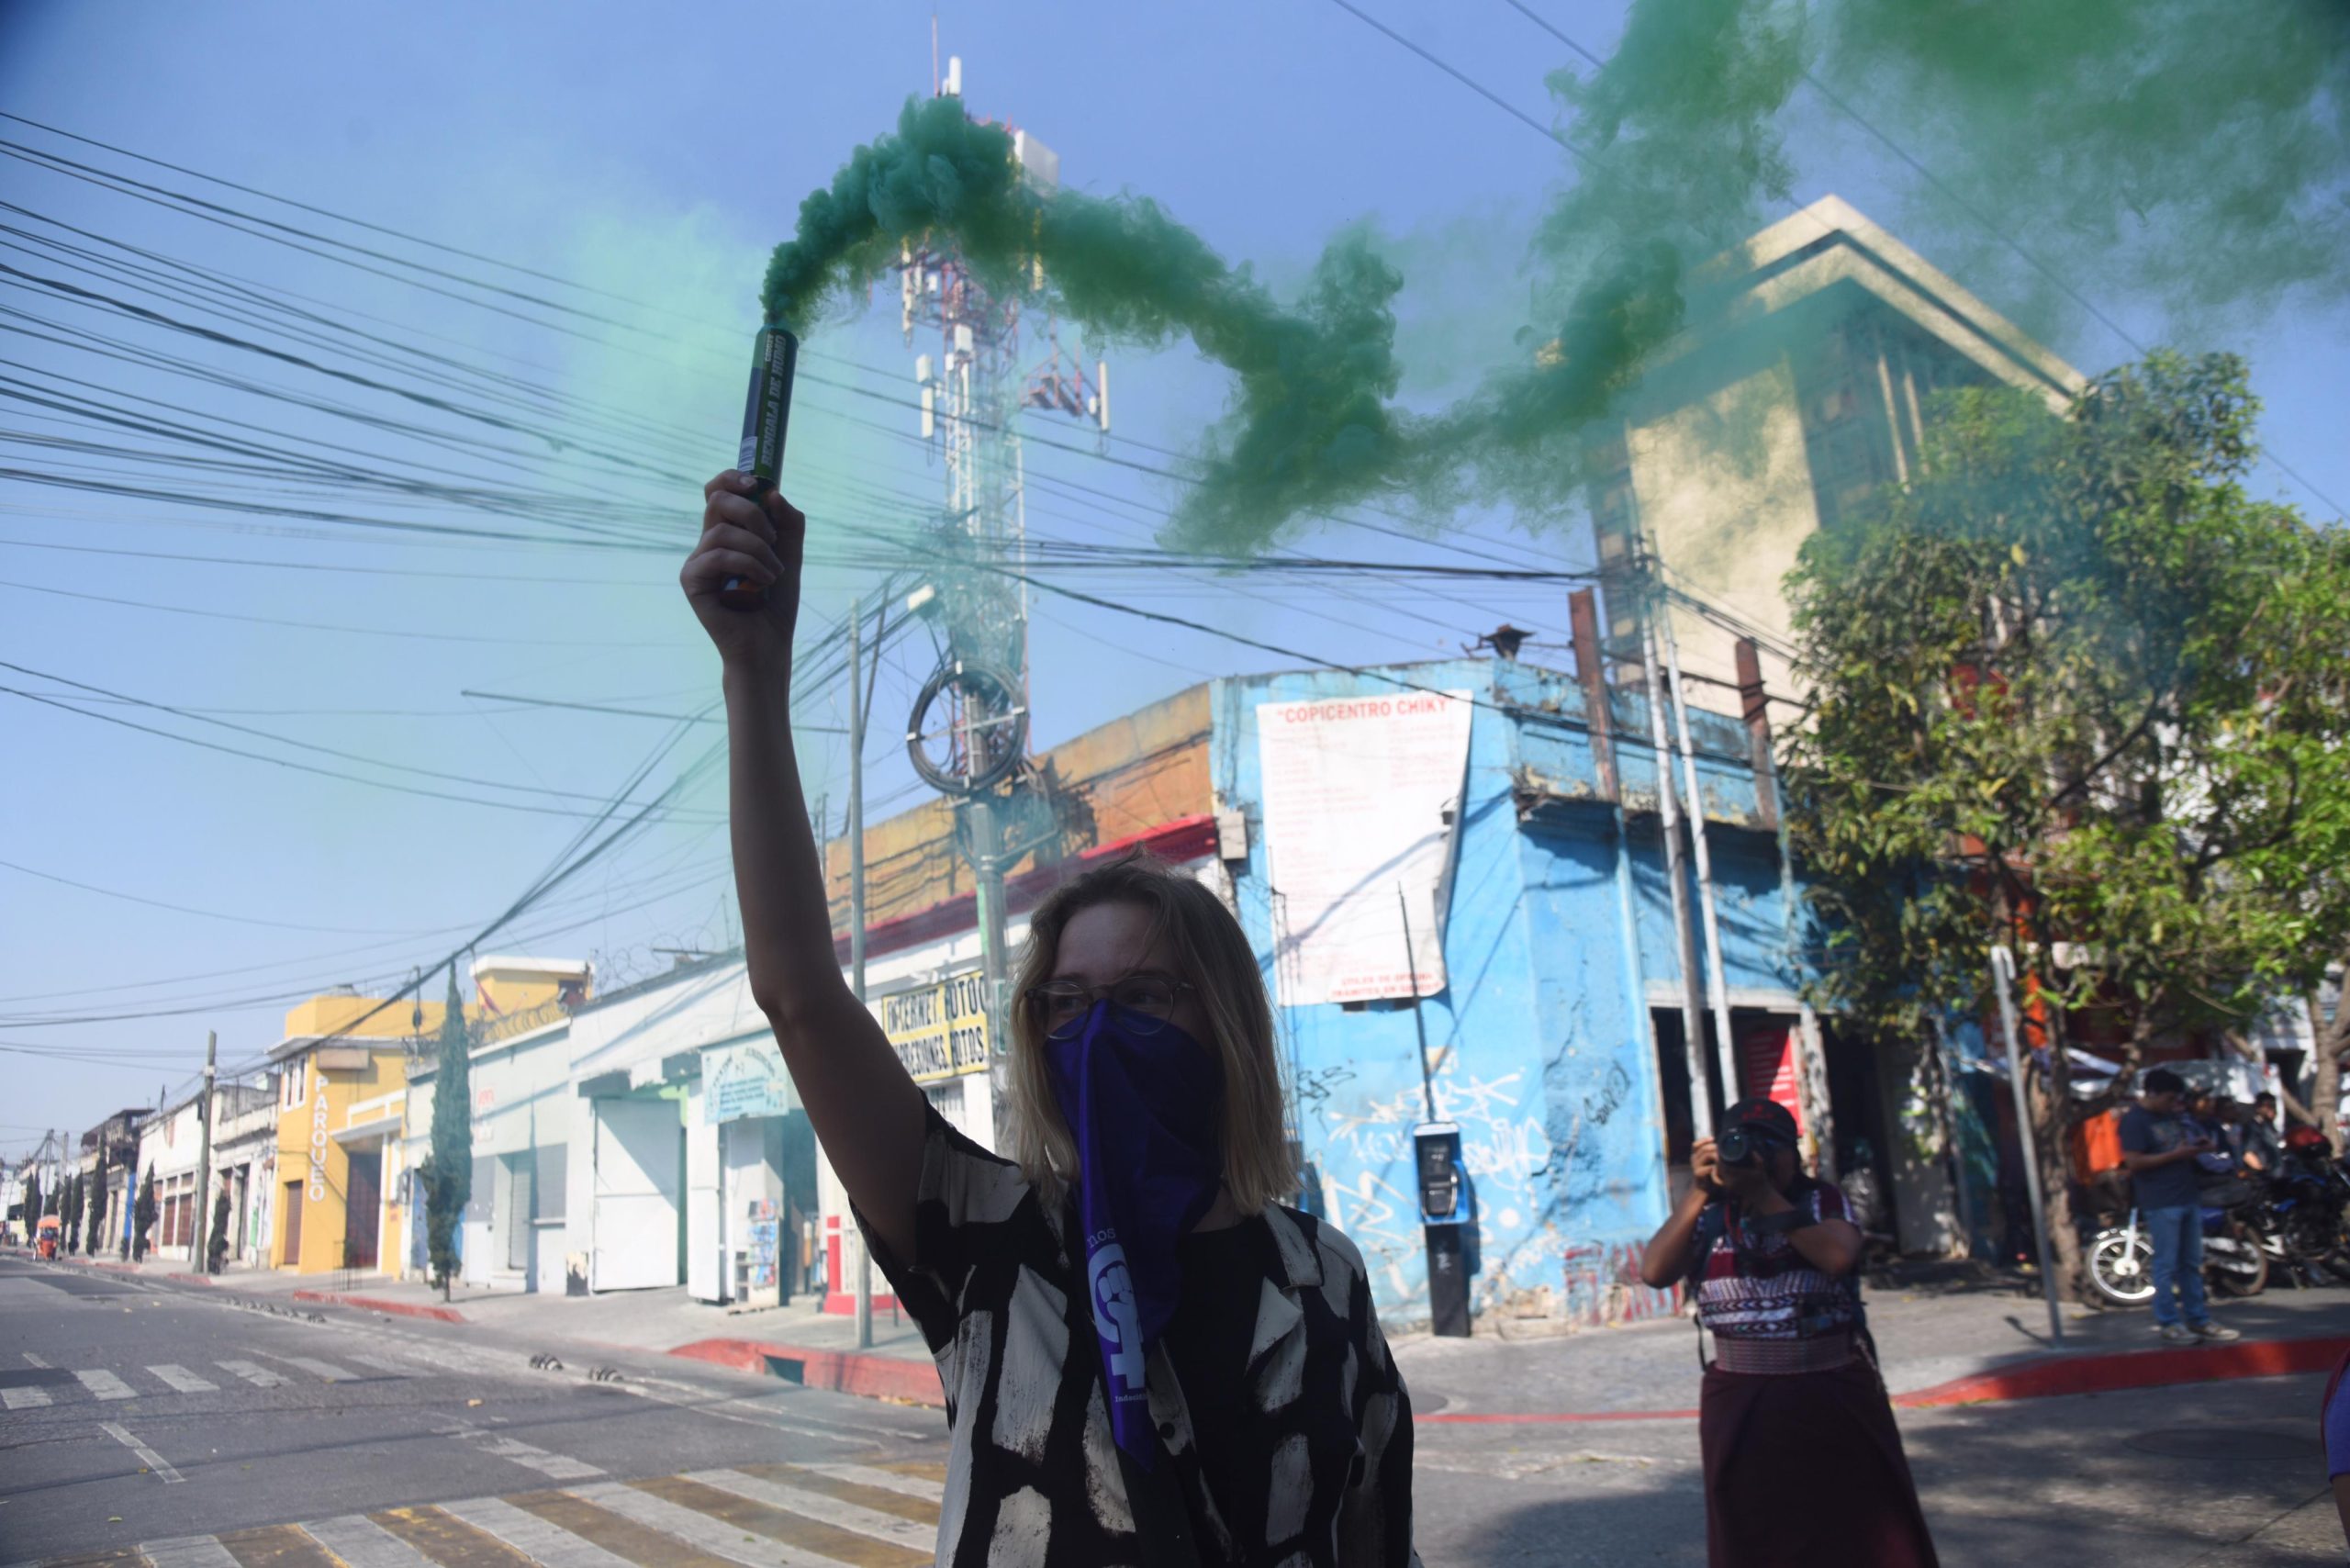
{"points": [[2204, 155]]}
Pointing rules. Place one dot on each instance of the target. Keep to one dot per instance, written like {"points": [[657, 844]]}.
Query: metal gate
{"points": [[639, 1147]]}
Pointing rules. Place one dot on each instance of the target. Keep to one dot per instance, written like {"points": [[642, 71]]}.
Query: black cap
{"points": [[2162, 1080], [1768, 1117]]}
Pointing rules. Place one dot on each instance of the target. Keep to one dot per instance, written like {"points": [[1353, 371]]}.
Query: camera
{"points": [[1737, 1146]]}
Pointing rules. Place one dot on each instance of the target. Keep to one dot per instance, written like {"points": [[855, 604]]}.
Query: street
{"points": [[167, 1420], [195, 1428]]}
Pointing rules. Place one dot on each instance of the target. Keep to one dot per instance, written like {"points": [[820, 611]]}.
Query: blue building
{"points": [[1556, 1040]]}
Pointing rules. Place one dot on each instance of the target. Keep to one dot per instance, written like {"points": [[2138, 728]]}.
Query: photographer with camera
{"points": [[1792, 1395]]}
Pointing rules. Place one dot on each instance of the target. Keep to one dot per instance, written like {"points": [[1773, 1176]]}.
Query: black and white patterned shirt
{"points": [[1315, 1472]]}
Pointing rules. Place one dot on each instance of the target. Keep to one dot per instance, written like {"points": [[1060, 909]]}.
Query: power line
{"points": [[206, 913], [1981, 219], [402, 633]]}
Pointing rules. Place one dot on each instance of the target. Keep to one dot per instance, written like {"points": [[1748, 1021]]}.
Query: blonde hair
{"points": [[1213, 954]]}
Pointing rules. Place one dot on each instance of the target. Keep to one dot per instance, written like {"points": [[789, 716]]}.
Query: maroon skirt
{"points": [[1805, 1470]]}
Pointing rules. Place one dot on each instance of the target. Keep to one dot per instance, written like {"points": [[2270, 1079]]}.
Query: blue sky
{"points": [[658, 152]]}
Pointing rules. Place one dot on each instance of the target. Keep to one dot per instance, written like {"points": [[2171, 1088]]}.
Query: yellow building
{"points": [[342, 1087], [342, 1104]]}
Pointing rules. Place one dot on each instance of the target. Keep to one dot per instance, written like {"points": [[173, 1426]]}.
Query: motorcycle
{"points": [[2299, 1217], [2121, 1258]]}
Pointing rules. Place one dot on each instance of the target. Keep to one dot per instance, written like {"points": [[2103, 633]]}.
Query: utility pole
{"points": [[968, 734], [1693, 1009], [204, 1150], [857, 705], [2003, 971], [1716, 983]]}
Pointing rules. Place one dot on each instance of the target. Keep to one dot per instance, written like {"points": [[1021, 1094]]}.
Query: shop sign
{"points": [[940, 1031], [1359, 798], [317, 1191], [748, 1079]]}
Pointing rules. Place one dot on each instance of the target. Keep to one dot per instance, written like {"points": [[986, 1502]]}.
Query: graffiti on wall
{"points": [[1366, 1155], [1603, 1286]]}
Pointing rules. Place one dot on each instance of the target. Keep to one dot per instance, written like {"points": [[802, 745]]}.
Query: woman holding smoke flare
{"points": [[1146, 1359], [1802, 1463]]}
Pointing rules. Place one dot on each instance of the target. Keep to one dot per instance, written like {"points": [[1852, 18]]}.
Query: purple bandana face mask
{"points": [[1145, 1102]]}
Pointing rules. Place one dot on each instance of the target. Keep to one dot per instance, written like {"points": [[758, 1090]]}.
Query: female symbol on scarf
{"points": [[1144, 1102]]}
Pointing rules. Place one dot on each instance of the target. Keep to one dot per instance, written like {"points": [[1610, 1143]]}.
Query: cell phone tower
{"points": [[968, 732]]}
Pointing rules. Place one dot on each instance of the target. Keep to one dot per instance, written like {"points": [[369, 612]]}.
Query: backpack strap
{"points": [[1713, 1224]]}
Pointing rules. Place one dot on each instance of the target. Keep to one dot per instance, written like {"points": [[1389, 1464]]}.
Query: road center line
{"points": [[35, 1360], [153, 1460]]}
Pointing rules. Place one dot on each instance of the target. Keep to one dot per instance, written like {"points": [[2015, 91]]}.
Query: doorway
{"points": [[293, 1226], [363, 1205]]}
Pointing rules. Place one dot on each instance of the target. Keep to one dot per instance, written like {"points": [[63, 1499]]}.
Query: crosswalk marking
{"points": [[753, 1516], [929, 1491], [798, 1525], [379, 1364], [713, 1540], [499, 1445], [448, 1541], [188, 1552], [362, 1543], [184, 1380], [824, 1507], [276, 1546], [106, 1385], [548, 1544], [31, 1359], [327, 1369], [616, 1534], [258, 1376], [24, 1398], [901, 1496]]}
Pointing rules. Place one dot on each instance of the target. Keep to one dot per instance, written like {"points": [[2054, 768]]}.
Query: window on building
{"points": [[1848, 425]]}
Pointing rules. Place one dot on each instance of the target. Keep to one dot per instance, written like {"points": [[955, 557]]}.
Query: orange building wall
{"points": [[1133, 774]]}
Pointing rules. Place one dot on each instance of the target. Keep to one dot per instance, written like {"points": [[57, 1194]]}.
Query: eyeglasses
{"points": [[1059, 1006]]}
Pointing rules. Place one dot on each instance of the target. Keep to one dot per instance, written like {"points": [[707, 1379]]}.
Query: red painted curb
{"points": [[2133, 1369], [2055, 1376], [192, 1279], [376, 1304], [843, 1371]]}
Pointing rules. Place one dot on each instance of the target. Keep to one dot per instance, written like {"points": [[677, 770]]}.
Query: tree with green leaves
{"points": [[2076, 692], [94, 1235], [69, 1213], [34, 1199], [142, 1216], [449, 1169], [217, 1243]]}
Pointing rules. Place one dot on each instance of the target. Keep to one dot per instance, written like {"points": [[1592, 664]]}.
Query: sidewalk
{"points": [[1938, 1346]]}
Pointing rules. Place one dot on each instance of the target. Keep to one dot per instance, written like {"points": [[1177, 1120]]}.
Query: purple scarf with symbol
{"points": [[1146, 1108]]}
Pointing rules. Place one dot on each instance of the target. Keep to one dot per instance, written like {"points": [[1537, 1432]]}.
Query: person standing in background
{"points": [[2160, 1147]]}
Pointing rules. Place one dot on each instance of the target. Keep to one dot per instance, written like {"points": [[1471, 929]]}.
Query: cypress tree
{"points": [[69, 1213], [216, 1251], [143, 1216], [34, 1198], [95, 1236], [449, 1170]]}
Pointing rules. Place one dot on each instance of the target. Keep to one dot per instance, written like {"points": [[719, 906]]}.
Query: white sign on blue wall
{"points": [[743, 1080]]}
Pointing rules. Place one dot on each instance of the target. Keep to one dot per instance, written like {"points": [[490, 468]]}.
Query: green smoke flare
{"points": [[2201, 157]]}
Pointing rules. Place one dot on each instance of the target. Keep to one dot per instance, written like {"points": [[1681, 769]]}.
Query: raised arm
{"points": [[1666, 1261], [863, 1108]]}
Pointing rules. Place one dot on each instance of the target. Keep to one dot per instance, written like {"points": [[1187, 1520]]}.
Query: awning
{"points": [[382, 1126]]}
